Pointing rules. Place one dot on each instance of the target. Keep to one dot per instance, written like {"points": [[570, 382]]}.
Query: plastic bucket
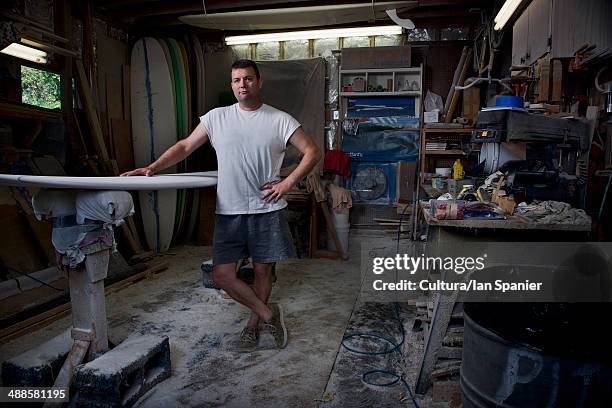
{"points": [[342, 225], [511, 101]]}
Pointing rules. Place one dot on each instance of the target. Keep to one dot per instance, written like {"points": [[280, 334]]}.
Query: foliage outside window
{"points": [[324, 44], [421, 34], [454, 33], [269, 51], [40, 88], [355, 42]]}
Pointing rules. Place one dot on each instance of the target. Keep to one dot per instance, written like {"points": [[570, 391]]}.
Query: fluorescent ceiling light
{"points": [[313, 34], [505, 13], [27, 53]]}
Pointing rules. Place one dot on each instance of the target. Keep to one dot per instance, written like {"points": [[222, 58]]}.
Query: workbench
{"points": [[457, 236]]}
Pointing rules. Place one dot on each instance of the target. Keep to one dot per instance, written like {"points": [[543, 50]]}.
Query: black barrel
{"points": [[536, 355]]}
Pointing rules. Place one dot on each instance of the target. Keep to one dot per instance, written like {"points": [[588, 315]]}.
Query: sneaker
{"points": [[249, 338], [276, 325]]}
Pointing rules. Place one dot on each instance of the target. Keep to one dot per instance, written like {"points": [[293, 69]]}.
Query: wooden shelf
{"points": [[405, 93], [23, 111], [410, 70]]}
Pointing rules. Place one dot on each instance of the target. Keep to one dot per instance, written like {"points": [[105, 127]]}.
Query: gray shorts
{"points": [[266, 238]]}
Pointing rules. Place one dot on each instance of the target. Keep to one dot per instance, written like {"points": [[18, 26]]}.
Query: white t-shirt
{"points": [[250, 147]]}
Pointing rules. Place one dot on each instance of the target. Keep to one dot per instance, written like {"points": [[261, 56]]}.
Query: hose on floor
{"points": [[394, 347]]}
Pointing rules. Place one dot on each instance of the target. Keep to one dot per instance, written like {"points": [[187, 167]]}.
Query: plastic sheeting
{"points": [[110, 207], [81, 219], [330, 135], [383, 139], [54, 203], [333, 80], [298, 88]]}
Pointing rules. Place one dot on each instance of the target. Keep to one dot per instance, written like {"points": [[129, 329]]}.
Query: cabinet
{"points": [[440, 147], [531, 33], [561, 27]]}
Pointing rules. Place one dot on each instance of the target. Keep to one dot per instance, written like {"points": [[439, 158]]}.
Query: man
{"points": [[250, 139]]}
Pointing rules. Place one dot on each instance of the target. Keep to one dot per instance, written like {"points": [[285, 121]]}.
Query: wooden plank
{"points": [[121, 131], [442, 312], [448, 117], [451, 90], [64, 378], [471, 103], [331, 229], [406, 174], [544, 81], [18, 110], [557, 81], [104, 125], [90, 112]]}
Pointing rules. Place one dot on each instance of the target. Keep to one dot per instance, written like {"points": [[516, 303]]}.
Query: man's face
{"points": [[245, 85]]}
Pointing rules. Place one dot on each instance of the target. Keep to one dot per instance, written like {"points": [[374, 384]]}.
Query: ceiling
{"points": [[312, 16], [260, 15]]}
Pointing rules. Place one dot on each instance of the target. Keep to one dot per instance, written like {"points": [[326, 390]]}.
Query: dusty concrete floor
{"points": [[320, 302]]}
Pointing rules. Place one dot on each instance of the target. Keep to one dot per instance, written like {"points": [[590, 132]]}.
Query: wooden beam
{"points": [[88, 105]]}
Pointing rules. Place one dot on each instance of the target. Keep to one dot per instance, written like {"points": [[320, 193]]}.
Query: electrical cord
{"points": [[3, 265], [394, 377]]}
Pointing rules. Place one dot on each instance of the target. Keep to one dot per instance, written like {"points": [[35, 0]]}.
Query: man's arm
{"points": [[312, 154], [179, 151]]}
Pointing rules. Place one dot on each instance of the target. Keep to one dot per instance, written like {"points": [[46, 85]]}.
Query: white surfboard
{"points": [[153, 131], [137, 183]]}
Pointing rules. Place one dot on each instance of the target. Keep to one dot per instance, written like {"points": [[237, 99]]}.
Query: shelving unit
{"points": [[453, 136], [381, 82]]}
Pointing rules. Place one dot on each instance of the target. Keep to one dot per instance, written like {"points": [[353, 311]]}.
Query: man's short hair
{"points": [[246, 63]]}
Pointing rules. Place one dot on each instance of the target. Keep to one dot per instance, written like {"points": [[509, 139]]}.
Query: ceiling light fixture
{"points": [[313, 34], [505, 13], [25, 52]]}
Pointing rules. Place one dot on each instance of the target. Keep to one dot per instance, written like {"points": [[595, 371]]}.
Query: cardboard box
{"points": [[430, 117], [376, 57]]}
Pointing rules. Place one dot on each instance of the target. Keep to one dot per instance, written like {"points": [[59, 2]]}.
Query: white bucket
{"points": [[342, 225]]}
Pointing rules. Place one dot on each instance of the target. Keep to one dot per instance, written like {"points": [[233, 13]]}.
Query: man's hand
{"points": [[273, 191], [143, 171]]}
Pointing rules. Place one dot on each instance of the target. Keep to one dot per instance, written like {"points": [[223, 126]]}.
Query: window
{"points": [[421, 34], [242, 51], [387, 40], [269, 51], [454, 33], [324, 44], [296, 49], [355, 42], [40, 88]]}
